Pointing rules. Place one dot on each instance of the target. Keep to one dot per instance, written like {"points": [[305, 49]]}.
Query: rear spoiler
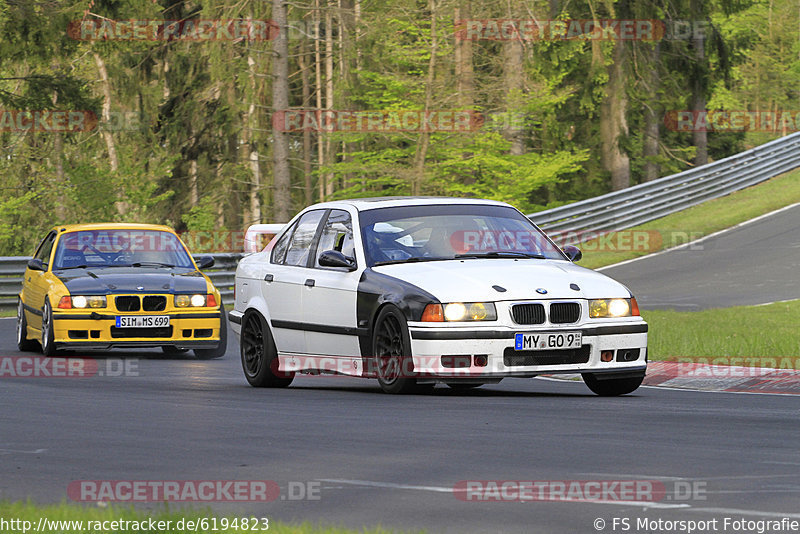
{"points": [[259, 235]]}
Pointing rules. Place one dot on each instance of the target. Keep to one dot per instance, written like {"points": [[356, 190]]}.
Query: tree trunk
{"points": [[111, 147], [651, 118], [303, 64], [465, 74], [329, 185], [421, 154], [194, 194], [614, 123], [280, 102], [58, 162], [250, 148], [514, 86], [318, 85], [699, 138]]}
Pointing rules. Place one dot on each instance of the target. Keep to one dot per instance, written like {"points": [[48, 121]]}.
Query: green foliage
{"points": [[203, 107], [202, 216]]}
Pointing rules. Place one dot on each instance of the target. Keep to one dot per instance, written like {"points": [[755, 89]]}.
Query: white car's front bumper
{"points": [[473, 352]]}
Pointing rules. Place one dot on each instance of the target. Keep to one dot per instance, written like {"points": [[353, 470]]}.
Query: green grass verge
{"points": [[701, 220], [764, 336], [8, 313], [27, 511]]}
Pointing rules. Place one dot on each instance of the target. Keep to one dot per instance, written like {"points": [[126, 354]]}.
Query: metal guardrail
{"points": [[648, 201], [613, 211], [12, 269]]}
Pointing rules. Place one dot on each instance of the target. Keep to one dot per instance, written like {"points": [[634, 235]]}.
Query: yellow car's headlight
{"points": [[460, 311], [194, 301], [91, 301], [599, 308]]}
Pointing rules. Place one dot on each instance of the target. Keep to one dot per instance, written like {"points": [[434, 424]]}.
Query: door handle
{"points": [[268, 278], [310, 282]]}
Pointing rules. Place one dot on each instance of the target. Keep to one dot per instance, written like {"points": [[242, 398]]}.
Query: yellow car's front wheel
{"points": [[48, 344], [23, 343]]}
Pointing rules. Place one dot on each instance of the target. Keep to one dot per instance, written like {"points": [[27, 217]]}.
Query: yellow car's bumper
{"points": [[92, 329]]}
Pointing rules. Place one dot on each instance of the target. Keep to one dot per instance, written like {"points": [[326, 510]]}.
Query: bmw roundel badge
{"points": [[541, 291]]}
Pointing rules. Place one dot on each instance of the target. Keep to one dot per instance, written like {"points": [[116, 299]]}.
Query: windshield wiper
{"points": [[500, 254], [71, 267], [151, 264]]}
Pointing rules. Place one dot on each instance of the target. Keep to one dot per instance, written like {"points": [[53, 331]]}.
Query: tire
{"points": [[171, 350], [612, 387], [259, 354], [23, 343], [391, 347], [219, 351], [48, 338]]}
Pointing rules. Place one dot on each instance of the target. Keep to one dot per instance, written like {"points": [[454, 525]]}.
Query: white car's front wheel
{"points": [[612, 387], [259, 355], [391, 347]]}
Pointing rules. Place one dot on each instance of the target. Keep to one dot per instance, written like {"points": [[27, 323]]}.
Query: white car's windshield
{"points": [[118, 248], [445, 232]]}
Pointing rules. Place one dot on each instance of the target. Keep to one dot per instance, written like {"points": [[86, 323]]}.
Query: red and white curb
{"points": [[732, 378]]}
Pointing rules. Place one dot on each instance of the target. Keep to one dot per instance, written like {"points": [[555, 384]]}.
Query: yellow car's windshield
{"points": [[120, 248]]}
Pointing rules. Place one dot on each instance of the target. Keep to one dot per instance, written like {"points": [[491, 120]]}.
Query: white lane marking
{"points": [[733, 511], [14, 318], [13, 451], [655, 505], [709, 236], [774, 302], [671, 388], [620, 476], [439, 489]]}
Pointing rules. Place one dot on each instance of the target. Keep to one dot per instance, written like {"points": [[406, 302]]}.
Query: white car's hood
{"points": [[472, 280]]}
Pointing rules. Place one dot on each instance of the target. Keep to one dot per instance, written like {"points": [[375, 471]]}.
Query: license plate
{"points": [[547, 341], [142, 321]]}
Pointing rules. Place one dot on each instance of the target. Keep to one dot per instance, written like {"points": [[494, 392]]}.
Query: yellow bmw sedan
{"points": [[98, 286]]}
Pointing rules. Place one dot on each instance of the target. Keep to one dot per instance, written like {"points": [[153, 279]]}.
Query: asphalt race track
{"points": [[755, 263], [380, 459]]}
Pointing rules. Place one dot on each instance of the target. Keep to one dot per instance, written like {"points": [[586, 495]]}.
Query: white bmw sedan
{"points": [[415, 291]]}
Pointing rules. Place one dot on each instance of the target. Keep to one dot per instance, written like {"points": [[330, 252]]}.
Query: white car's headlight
{"points": [[460, 311], [599, 308]]}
